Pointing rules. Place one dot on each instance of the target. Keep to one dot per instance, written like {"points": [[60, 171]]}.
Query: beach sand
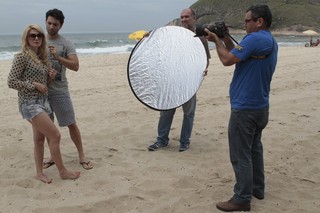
{"points": [[117, 129]]}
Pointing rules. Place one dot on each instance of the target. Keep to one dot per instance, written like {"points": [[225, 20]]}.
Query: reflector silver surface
{"points": [[166, 68]]}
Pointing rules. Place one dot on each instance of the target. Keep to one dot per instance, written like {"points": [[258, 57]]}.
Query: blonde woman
{"points": [[29, 75]]}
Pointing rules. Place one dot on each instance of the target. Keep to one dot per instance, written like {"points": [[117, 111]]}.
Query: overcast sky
{"points": [[91, 15]]}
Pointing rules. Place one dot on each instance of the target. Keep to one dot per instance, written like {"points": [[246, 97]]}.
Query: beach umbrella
{"points": [[310, 32], [137, 35]]}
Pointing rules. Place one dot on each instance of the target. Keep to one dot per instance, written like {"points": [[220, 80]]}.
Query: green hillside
{"points": [[291, 15]]}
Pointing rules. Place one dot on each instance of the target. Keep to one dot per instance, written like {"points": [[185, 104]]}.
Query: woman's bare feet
{"points": [[44, 178], [66, 174]]}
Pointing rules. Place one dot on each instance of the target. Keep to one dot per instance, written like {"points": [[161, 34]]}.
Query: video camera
{"points": [[219, 28]]}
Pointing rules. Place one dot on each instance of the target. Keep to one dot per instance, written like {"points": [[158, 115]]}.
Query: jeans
{"points": [[246, 152], [166, 118]]}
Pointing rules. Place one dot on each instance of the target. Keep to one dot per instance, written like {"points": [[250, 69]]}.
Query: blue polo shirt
{"points": [[250, 85]]}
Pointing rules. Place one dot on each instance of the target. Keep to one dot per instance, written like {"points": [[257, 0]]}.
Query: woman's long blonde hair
{"points": [[42, 55]]}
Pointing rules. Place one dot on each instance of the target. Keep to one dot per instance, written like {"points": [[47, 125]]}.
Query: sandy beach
{"points": [[117, 129]]}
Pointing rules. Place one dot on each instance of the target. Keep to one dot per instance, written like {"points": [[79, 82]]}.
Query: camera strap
{"points": [[261, 57]]}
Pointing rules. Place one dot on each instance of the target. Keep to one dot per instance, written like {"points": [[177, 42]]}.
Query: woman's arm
{"points": [[15, 76]]}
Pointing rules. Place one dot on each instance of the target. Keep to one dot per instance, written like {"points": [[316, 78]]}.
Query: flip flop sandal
{"points": [[86, 165], [48, 164]]}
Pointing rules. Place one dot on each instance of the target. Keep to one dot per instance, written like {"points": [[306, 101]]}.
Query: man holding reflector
{"points": [[185, 63]]}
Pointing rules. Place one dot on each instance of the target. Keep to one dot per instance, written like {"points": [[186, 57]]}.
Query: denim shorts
{"points": [[34, 107]]}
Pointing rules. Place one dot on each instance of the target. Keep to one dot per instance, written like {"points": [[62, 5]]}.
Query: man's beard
{"points": [[187, 26], [52, 33]]}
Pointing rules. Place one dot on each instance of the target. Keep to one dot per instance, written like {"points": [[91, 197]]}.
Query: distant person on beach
{"points": [[188, 19], [62, 55], [255, 59], [30, 74], [311, 42]]}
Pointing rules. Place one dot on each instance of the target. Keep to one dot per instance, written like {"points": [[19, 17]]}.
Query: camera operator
{"points": [[255, 58]]}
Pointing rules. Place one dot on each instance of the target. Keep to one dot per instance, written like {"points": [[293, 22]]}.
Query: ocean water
{"points": [[114, 43], [85, 43]]}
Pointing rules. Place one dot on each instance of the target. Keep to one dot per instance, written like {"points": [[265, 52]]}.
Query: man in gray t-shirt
{"points": [[62, 55], [65, 49]]}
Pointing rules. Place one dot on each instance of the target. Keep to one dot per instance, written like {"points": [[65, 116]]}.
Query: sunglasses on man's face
{"points": [[34, 35]]}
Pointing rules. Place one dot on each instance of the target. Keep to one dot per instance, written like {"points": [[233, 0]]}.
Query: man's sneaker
{"points": [[183, 147], [156, 146]]}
